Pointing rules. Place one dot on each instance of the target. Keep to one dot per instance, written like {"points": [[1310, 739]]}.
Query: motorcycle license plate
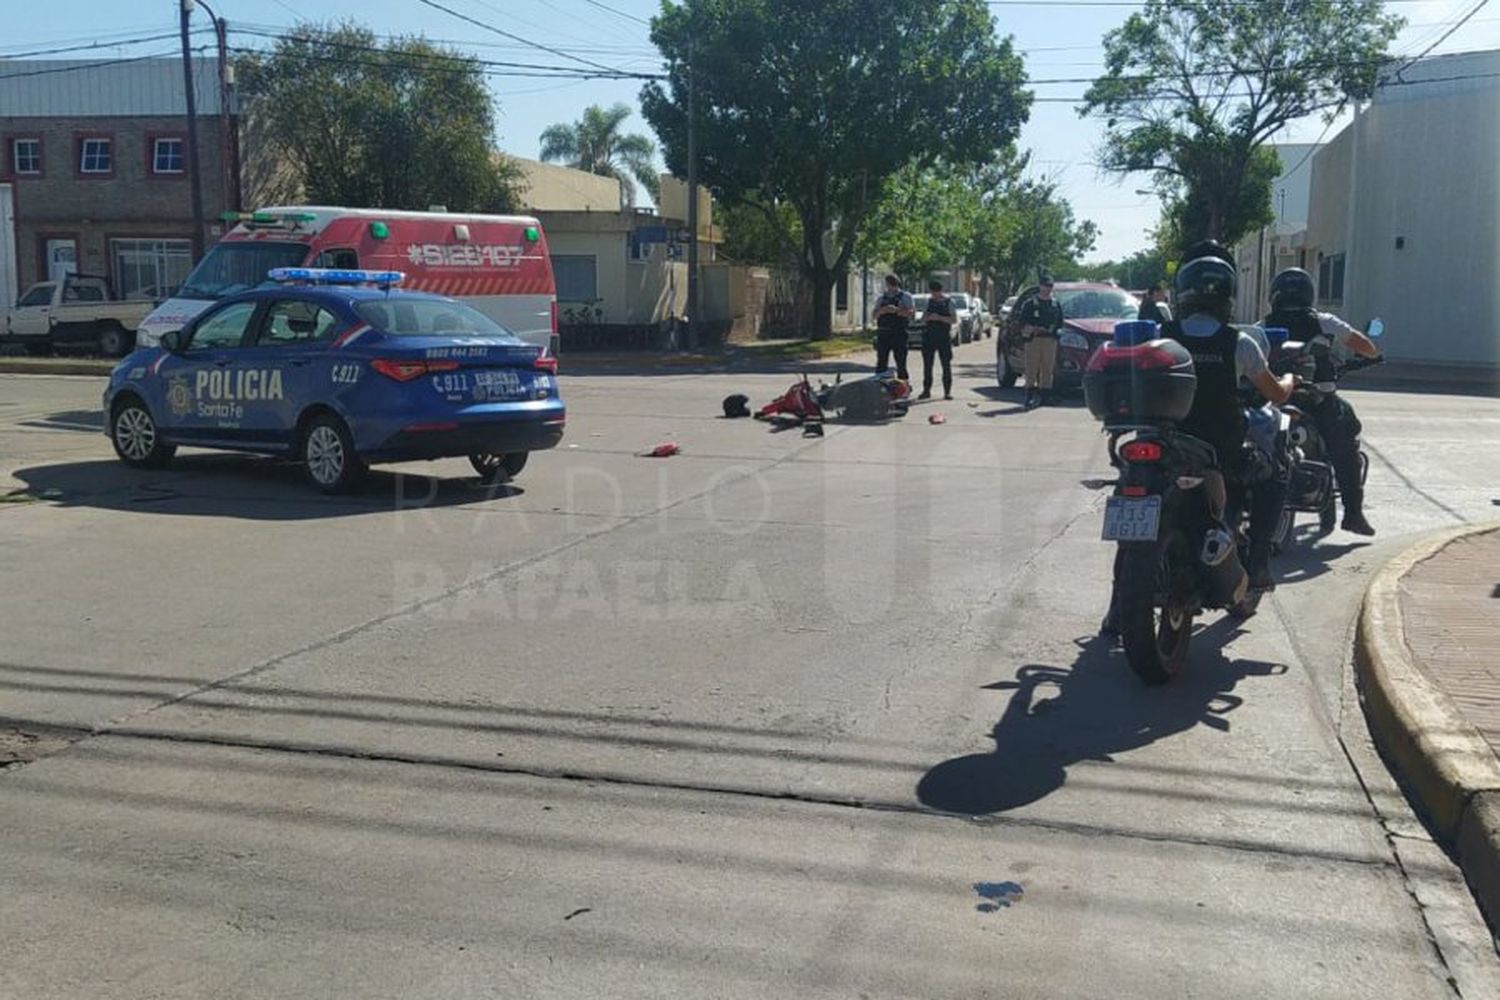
{"points": [[1131, 519]]}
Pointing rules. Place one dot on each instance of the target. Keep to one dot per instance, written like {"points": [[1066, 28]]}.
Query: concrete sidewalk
{"points": [[1429, 655]]}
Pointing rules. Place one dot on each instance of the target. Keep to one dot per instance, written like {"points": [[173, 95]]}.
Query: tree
{"points": [[817, 105], [403, 126], [754, 236], [1192, 90], [924, 221], [594, 143], [1028, 229]]}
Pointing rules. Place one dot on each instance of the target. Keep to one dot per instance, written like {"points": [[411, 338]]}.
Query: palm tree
{"points": [[595, 144]]}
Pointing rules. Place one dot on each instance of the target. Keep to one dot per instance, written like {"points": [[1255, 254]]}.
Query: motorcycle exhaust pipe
{"points": [[1225, 579]]}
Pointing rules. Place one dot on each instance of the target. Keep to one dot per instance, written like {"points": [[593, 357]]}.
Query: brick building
{"points": [[94, 171]]}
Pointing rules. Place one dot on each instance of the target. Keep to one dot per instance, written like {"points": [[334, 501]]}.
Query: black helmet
{"points": [[1208, 248], [1206, 284], [1293, 289], [736, 405]]}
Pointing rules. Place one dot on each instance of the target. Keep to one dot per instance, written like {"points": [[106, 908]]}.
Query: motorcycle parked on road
{"points": [[1313, 487], [1175, 558]]}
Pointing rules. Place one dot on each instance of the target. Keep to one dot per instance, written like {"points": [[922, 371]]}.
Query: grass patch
{"points": [[804, 350]]}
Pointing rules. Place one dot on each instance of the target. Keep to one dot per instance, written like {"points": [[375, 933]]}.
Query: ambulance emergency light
{"points": [[336, 276]]}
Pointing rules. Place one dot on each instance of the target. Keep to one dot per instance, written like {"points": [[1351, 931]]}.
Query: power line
{"points": [[517, 38], [617, 11], [90, 65], [1444, 36], [434, 57], [97, 45], [416, 61]]}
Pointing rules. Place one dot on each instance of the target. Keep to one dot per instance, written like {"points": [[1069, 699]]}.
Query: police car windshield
{"points": [[236, 267], [1093, 303], [428, 317]]}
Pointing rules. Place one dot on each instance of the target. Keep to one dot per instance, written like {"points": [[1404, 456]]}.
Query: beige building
{"points": [[626, 269]]}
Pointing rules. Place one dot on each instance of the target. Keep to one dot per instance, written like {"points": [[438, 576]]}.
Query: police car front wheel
{"points": [[328, 455], [493, 468], [136, 438]]}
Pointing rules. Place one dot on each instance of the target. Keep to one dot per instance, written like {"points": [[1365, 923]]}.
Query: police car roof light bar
{"points": [[336, 276]]}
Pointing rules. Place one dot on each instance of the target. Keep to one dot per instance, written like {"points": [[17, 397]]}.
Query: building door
{"points": [[62, 259], [8, 289]]}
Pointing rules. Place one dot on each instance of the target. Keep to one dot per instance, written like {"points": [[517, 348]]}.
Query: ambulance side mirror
{"points": [[172, 341]]}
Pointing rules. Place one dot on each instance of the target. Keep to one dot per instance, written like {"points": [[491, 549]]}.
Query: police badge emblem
{"points": [[179, 396]]}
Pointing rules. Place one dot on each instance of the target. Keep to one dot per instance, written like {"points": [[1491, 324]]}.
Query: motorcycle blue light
{"points": [[1133, 332]]}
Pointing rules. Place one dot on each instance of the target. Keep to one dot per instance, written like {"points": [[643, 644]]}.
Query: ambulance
{"points": [[496, 263]]}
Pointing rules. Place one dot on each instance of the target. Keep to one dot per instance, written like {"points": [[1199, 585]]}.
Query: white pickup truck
{"points": [[77, 313]]}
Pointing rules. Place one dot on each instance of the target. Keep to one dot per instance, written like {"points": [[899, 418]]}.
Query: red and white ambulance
{"points": [[496, 263]]}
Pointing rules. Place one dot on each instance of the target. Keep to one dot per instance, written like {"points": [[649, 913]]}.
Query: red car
{"points": [[1090, 312]]}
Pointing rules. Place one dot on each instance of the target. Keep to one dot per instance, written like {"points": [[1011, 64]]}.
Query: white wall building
{"points": [[1404, 221]]}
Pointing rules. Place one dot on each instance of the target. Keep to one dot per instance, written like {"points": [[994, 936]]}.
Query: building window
{"points": [[841, 294], [26, 156], [150, 269], [96, 156], [168, 156], [577, 278], [1331, 278]]}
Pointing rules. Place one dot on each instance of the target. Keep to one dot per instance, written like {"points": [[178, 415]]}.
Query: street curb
{"points": [[1448, 769], [57, 366]]}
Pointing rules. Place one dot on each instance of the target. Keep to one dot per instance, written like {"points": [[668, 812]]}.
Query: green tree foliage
{"points": [[1027, 229], [1139, 270], [1191, 91], [758, 231], [817, 105], [926, 220], [595, 143], [402, 126]]}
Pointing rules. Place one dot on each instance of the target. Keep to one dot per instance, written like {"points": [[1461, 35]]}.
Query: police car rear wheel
{"points": [[493, 468], [328, 456], [136, 438]]}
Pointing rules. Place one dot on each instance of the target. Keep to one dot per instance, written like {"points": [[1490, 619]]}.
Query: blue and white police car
{"points": [[340, 370]]}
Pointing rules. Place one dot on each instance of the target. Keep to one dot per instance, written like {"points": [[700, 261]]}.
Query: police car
{"points": [[340, 370]]}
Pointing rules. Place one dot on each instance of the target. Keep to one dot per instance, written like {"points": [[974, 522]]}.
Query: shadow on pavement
{"points": [[1099, 709], [246, 487], [83, 421]]}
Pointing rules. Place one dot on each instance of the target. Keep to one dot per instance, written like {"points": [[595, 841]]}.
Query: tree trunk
{"points": [[822, 303]]}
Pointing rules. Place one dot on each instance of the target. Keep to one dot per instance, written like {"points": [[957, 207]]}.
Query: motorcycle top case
{"points": [[1149, 382]]}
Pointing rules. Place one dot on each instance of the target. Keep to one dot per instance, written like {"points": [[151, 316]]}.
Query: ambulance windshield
{"points": [[236, 267]]}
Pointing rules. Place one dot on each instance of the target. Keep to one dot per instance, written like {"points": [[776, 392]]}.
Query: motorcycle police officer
{"points": [[1293, 306], [1204, 288]]}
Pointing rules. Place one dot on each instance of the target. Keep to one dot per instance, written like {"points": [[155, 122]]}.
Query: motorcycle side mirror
{"points": [[1377, 327], [172, 341]]}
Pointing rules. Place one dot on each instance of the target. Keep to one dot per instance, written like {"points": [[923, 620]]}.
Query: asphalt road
{"points": [[776, 717]]}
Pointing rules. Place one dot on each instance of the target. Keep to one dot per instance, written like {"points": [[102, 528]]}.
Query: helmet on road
{"points": [[1205, 285], [1293, 289]]}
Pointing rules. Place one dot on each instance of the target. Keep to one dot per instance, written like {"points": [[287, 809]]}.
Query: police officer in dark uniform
{"points": [[1293, 307], [893, 311], [1222, 355]]}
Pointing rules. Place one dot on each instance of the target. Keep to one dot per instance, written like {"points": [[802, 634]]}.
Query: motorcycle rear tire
{"points": [[1156, 639], [1286, 526]]}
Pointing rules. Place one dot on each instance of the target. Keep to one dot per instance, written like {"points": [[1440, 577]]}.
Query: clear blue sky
{"points": [[1059, 40]]}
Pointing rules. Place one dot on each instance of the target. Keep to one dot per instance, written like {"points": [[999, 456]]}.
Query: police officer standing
{"points": [[1041, 321], [1294, 308], [937, 338], [1154, 305], [893, 310]]}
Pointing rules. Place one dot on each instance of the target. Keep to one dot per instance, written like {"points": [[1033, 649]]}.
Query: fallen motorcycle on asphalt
{"points": [[880, 397]]}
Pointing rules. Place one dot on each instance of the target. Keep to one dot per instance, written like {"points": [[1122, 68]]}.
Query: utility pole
{"points": [[194, 174], [692, 219], [229, 141]]}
